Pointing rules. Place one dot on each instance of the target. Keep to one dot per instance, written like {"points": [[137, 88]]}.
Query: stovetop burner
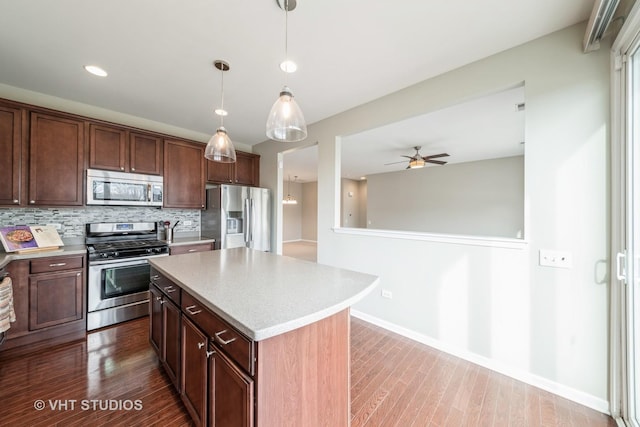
{"points": [[110, 241]]}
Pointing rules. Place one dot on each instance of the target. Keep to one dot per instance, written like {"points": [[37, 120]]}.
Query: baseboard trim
{"points": [[574, 395]]}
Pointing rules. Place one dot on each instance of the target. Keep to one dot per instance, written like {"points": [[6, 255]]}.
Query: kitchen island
{"points": [[253, 338]]}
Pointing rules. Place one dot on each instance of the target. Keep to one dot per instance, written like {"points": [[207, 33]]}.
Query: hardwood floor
{"points": [[394, 382]]}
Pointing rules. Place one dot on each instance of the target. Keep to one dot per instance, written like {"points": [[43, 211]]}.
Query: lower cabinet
{"points": [[49, 302], [194, 368], [230, 392], [164, 333]]}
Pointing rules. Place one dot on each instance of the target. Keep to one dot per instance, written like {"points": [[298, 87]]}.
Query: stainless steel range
{"points": [[118, 278]]}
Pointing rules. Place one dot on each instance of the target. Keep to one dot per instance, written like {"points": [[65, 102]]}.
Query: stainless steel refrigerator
{"points": [[238, 216]]}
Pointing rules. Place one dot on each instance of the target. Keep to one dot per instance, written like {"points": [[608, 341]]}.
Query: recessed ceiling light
{"points": [[288, 66], [363, 178], [95, 70], [220, 112]]}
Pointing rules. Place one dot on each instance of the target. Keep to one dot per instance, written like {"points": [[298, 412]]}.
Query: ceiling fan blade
{"points": [[394, 163], [409, 157], [434, 156], [436, 162]]}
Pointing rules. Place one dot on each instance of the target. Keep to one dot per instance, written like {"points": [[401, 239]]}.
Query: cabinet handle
{"points": [[155, 277], [133, 169], [192, 250], [58, 264], [210, 353], [158, 298], [193, 313], [200, 345], [169, 289], [32, 201], [223, 342], [16, 201], [121, 168]]}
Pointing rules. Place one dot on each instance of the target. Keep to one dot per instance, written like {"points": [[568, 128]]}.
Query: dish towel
{"points": [[7, 315]]}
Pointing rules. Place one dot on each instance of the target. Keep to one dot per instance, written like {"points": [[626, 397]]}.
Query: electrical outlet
{"points": [[558, 259], [386, 294], [188, 222]]}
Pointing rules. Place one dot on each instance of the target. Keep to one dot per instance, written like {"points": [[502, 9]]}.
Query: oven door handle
{"points": [[125, 261]]}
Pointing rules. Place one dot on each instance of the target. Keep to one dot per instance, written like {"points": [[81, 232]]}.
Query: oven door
{"points": [[116, 283]]}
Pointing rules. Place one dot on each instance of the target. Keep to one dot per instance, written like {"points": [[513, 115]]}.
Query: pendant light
{"points": [[220, 148], [290, 200], [286, 122]]}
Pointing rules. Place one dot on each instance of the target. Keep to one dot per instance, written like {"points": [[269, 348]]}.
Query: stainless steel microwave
{"points": [[123, 189]]}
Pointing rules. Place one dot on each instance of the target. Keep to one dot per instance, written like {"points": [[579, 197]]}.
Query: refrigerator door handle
{"points": [[251, 224], [247, 221]]}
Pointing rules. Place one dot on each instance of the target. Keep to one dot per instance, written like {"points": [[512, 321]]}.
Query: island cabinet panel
{"points": [[56, 161], [184, 174], [12, 160], [165, 328], [303, 375], [195, 367], [230, 392]]}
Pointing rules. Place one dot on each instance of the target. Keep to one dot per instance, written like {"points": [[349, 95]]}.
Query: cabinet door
{"points": [[145, 154], [184, 175], [155, 320], [55, 298], [194, 372], [56, 161], [107, 148], [247, 169], [231, 393], [171, 341], [11, 160], [220, 173]]}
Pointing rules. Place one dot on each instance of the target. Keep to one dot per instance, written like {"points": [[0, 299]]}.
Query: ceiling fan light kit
{"points": [[286, 122], [220, 148], [418, 161]]}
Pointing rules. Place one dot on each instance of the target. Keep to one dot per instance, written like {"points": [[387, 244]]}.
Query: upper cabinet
{"points": [[184, 174], [117, 149], [12, 161], [245, 171], [56, 160]]}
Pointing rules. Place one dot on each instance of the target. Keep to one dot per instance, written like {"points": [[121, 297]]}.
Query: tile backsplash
{"points": [[72, 220]]}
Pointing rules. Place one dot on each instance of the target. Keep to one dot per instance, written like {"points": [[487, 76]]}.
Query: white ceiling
{"points": [[159, 53]]}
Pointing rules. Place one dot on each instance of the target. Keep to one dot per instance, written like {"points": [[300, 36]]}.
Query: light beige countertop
{"points": [[7, 257], [262, 294]]}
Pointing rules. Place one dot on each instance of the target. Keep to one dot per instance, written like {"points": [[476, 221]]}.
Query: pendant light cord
{"points": [[222, 96], [286, 43]]}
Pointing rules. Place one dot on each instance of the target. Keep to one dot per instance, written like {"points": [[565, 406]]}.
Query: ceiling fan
{"points": [[418, 161]]}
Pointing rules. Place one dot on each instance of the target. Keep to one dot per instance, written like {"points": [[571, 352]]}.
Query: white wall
{"points": [[495, 305], [483, 198], [350, 205], [310, 211]]}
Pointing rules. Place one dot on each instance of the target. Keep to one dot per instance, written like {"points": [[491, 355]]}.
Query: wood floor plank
{"points": [[394, 381]]}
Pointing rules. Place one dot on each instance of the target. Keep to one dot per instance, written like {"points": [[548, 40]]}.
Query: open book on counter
{"points": [[24, 238]]}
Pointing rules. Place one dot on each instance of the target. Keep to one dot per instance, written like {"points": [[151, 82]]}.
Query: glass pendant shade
{"points": [[286, 122], [220, 148]]}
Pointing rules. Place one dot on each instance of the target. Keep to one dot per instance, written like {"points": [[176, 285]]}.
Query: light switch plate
{"points": [[558, 259]]}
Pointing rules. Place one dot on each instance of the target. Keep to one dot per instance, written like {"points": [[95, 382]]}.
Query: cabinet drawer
{"points": [[47, 265], [236, 345], [187, 249], [167, 287]]}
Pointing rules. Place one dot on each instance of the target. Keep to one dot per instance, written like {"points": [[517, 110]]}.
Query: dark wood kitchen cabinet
{"points": [[184, 174], [164, 332], [195, 346], [118, 149], [49, 302], [190, 248], [13, 159], [56, 161], [245, 171], [230, 392]]}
